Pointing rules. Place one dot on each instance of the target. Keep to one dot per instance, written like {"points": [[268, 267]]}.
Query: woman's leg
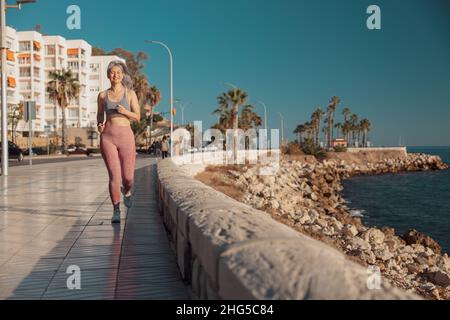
{"points": [[127, 156], [111, 157]]}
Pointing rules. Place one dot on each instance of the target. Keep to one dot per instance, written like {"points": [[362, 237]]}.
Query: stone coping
{"points": [[228, 250]]}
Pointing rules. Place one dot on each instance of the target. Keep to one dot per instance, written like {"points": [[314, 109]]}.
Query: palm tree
{"points": [[330, 113], [339, 126], [153, 98], [248, 118], [316, 119], [346, 112], [365, 126], [354, 127], [346, 130], [224, 117], [358, 133], [310, 130], [326, 129], [298, 131], [234, 98], [62, 88]]}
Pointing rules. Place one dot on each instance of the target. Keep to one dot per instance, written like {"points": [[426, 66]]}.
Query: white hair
{"points": [[126, 81]]}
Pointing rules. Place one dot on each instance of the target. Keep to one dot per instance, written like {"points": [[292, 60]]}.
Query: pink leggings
{"points": [[119, 153]]}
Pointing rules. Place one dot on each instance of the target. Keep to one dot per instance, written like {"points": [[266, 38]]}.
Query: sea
{"points": [[413, 200]]}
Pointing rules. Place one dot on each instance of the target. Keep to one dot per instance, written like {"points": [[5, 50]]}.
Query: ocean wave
{"points": [[357, 213]]}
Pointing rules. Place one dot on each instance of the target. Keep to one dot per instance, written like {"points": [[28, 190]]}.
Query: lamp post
{"points": [[265, 113], [4, 133], [171, 89], [182, 106], [282, 127]]}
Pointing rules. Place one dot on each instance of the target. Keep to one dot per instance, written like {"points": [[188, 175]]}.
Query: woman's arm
{"points": [[100, 112], [135, 113]]}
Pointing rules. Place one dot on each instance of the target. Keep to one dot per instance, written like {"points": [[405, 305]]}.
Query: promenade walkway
{"points": [[57, 215]]}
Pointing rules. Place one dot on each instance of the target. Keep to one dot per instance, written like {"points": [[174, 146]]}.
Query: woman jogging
{"points": [[117, 142]]}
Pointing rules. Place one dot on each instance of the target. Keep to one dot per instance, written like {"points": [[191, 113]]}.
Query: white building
{"points": [[31, 57]]}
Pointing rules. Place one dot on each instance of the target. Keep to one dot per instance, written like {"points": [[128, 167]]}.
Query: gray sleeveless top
{"points": [[111, 106]]}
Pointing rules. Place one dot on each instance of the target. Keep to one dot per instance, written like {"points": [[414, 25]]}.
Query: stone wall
{"points": [[400, 150], [228, 250]]}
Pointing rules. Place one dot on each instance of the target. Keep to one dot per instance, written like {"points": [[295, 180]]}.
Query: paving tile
{"points": [[93, 251], [69, 224]]}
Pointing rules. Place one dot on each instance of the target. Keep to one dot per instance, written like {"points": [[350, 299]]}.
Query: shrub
{"points": [[292, 148], [340, 149], [309, 147]]}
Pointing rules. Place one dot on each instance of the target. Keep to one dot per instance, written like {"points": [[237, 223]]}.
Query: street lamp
{"points": [[171, 89], [182, 106], [4, 133], [282, 127], [265, 113]]}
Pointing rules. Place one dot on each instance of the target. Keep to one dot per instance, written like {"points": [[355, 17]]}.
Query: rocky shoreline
{"points": [[306, 196]]}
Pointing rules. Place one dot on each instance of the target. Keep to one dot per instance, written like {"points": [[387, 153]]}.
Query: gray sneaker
{"points": [[127, 200], [116, 216]]}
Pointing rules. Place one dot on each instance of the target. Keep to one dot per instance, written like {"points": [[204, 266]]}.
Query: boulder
{"points": [[373, 236], [439, 278], [303, 218], [349, 230], [274, 204], [383, 255], [416, 237], [367, 256], [357, 243]]}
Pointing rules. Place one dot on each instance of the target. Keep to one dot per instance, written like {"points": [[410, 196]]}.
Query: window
{"points": [[94, 89], [24, 86], [94, 77], [8, 44], [37, 72], [49, 62], [74, 102], [50, 50], [73, 64], [24, 46], [73, 113], [25, 72], [24, 60]]}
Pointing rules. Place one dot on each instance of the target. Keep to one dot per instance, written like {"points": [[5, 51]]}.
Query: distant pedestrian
{"points": [[157, 148], [164, 147]]}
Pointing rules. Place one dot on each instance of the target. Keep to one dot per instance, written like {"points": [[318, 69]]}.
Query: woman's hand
{"points": [[122, 110]]}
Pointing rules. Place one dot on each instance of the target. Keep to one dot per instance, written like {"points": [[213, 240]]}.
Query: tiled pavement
{"points": [[57, 215]]}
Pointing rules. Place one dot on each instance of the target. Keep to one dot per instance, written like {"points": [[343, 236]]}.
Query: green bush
{"points": [[292, 148], [309, 147], [340, 149]]}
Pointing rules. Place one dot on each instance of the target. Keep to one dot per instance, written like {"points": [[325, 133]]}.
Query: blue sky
{"points": [[292, 54]]}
